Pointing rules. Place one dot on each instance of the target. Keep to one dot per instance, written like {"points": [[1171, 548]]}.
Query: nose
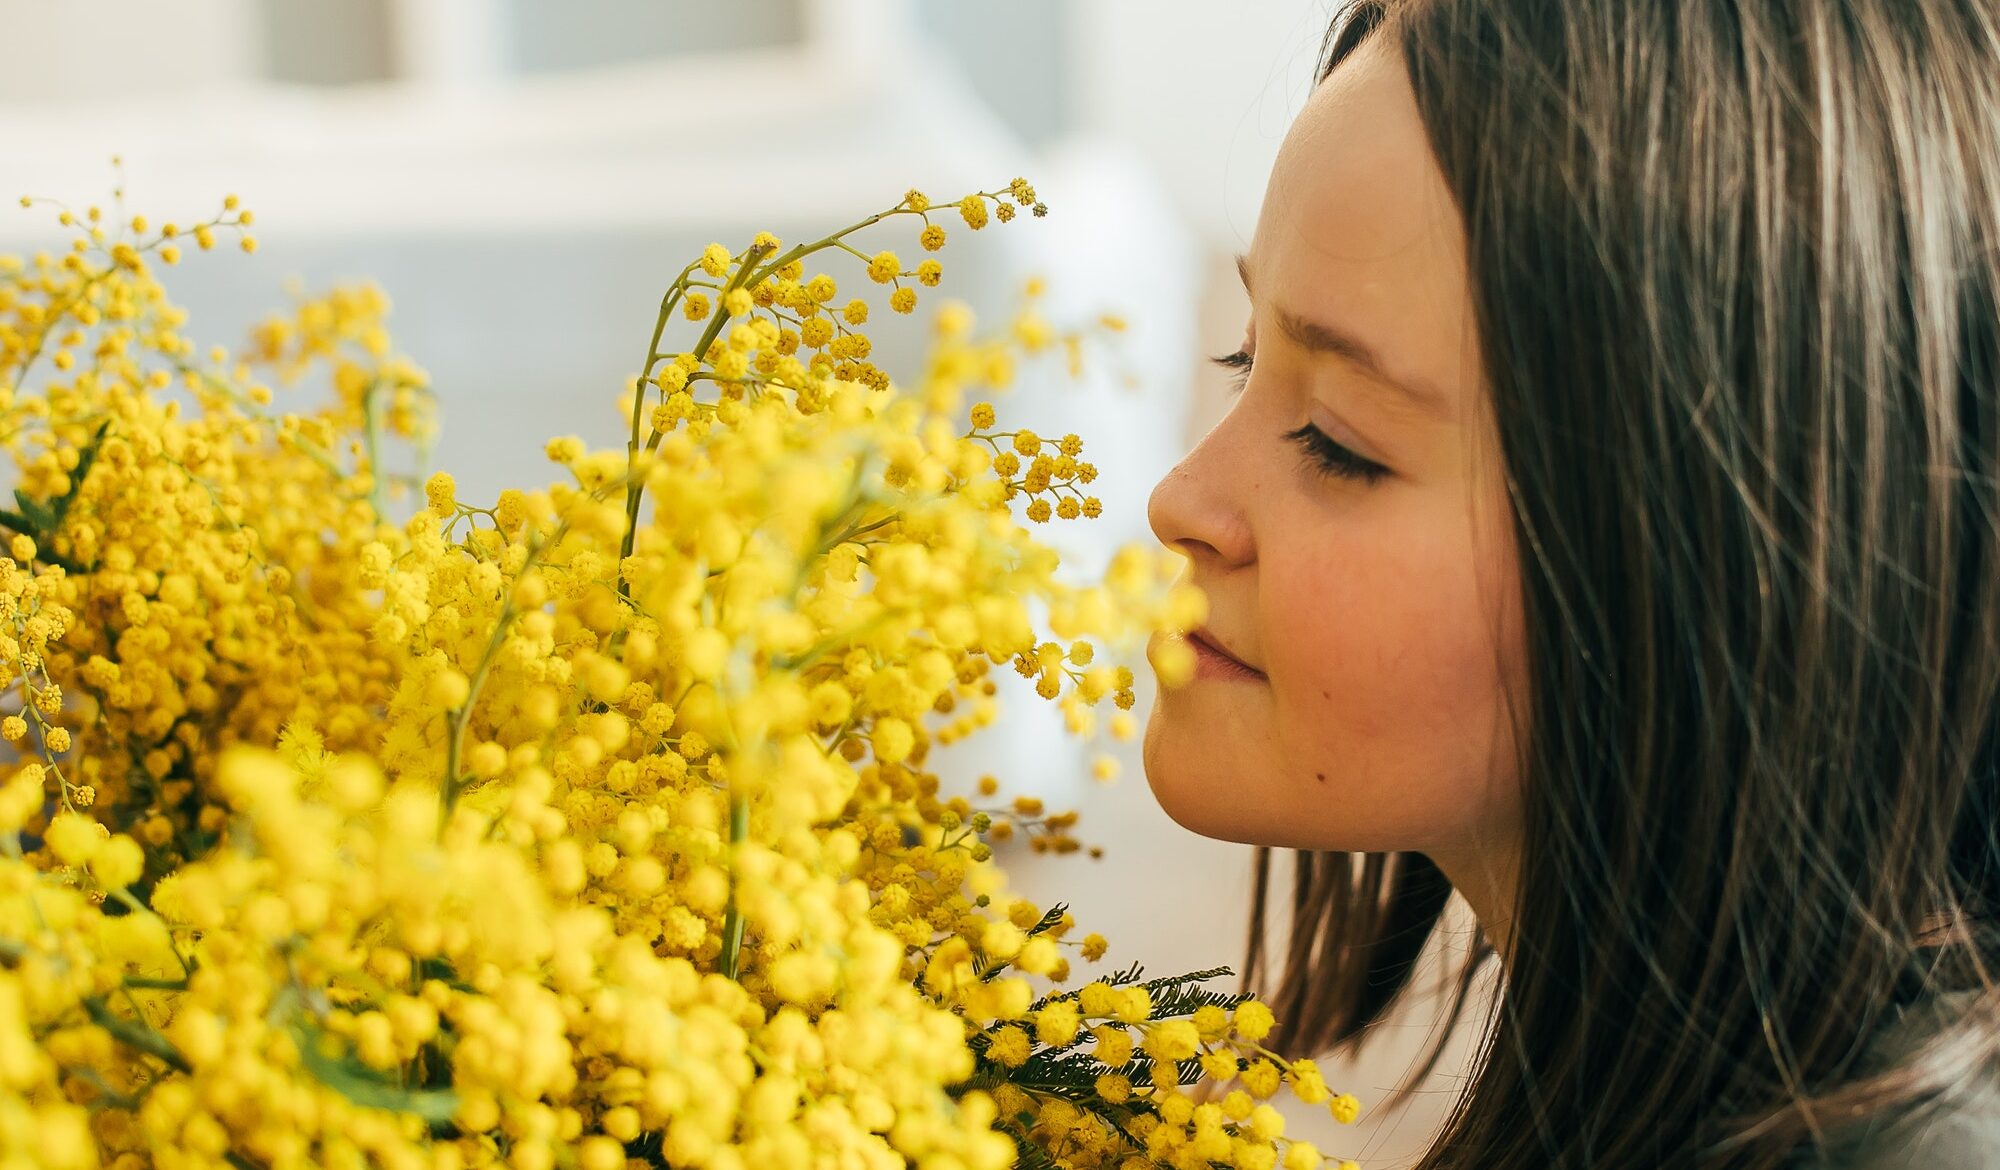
{"points": [[1197, 508]]}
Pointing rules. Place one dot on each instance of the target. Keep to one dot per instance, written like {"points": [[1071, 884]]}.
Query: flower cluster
{"points": [[592, 828]]}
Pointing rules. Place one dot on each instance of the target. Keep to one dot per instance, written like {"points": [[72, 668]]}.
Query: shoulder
{"points": [[1962, 1133]]}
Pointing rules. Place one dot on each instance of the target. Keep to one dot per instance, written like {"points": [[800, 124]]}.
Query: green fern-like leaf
{"points": [[988, 970]]}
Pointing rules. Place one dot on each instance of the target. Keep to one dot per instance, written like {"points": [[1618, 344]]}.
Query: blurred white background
{"points": [[523, 177]]}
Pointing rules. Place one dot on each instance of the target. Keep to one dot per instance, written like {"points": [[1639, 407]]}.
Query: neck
{"points": [[1487, 879]]}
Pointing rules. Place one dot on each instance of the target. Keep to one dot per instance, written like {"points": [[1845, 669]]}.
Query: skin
{"points": [[1385, 618]]}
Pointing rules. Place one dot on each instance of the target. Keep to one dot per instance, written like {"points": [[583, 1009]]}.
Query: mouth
{"points": [[1212, 661]]}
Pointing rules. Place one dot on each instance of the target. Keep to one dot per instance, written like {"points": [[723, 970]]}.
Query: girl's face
{"points": [[1347, 517]]}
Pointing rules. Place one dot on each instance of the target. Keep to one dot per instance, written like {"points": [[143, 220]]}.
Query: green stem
{"points": [[667, 303], [858, 530], [732, 923], [708, 335], [453, 784], [107, 1097], [145, 1039], [146, 984]]}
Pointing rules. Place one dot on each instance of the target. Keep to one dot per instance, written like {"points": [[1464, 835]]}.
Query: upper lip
{"points": [[1207, 638]]}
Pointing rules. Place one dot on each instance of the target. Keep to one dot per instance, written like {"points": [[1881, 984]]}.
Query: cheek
{"points": [[1384, 637], [1387, 673]]}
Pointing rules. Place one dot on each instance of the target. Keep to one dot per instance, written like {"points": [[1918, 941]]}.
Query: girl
{"points": [[1605, 530]]}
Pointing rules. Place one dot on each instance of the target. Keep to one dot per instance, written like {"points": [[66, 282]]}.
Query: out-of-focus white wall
{"points": [[116, 50], [523, 176], [1203, 91]]}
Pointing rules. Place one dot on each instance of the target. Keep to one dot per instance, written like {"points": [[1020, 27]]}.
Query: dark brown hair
{"points": [[1736, 271]]}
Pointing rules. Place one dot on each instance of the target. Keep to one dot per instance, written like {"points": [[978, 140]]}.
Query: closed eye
{"points": [[1330, 457], [1323, 453]]}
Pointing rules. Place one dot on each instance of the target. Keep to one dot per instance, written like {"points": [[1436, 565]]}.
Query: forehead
{"points": [[1359, 228]]}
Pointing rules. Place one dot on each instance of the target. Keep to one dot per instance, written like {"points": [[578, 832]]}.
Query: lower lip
{"points": [[1210, 664]]}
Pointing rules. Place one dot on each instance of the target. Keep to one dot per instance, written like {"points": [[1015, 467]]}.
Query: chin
{"points": [[1211, 797], [1195, 795]]}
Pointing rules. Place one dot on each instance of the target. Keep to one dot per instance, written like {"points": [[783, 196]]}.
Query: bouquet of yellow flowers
{"points": [[588, 829]]}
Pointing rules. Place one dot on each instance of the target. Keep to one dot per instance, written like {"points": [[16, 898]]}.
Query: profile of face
{"points": [[1347, 518]]}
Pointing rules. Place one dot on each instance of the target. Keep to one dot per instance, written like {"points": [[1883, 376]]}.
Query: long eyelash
{"points": [[1240, 363], [1326, 455], [1334, 459]]}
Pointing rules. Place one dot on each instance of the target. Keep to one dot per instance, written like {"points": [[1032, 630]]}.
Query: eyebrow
{"points": [[1317, 337]]}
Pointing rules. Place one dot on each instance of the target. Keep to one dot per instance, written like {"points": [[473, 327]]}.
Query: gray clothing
{"points": [[1959, 1135]]}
